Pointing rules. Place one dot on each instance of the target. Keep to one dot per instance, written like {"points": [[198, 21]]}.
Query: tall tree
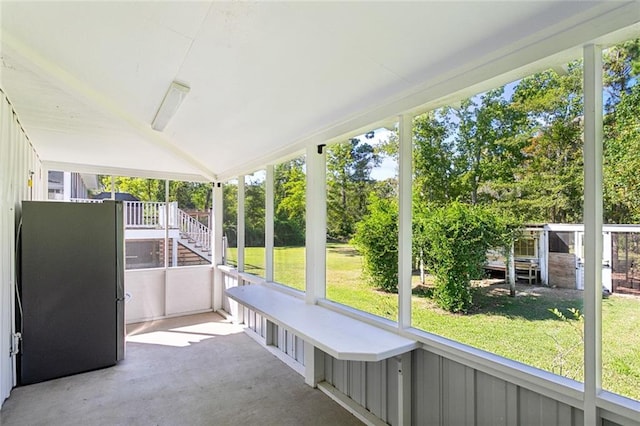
{"points": [[289, 203], [622, 133], [434, 176], [488, 149], [230, 212], [254, 212], [548, 183], [349, 181]]}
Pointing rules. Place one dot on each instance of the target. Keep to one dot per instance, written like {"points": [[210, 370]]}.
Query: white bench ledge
{"points": [[338, 335]]}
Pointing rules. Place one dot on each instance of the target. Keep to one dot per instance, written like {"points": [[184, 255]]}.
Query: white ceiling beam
{"points": [[94, 98], [121, 171]]}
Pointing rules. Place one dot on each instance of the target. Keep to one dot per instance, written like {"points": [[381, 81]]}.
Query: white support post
{"points": [[593, 213], [166, 224], [240, 226], [268, 224], [66, 186], [404, 225], [113, 187], [404, 388], [174, 252], [511, 270], [313, 365], [543, 256], [217, 244], [316, 224], [316, 254]]}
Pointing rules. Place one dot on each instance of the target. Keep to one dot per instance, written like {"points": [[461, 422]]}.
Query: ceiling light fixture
{"points": [[170, 104]]}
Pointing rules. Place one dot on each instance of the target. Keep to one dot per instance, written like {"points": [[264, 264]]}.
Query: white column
{"points": [[240, 227], [268, 224], [593, 212], [511, 270], [404, 222], [316, 224], [217, 236], [66, 186], [113, 187], [543, 256], [316, 251], [313, 365], [166, 224], [403, 365], [174, 252]]}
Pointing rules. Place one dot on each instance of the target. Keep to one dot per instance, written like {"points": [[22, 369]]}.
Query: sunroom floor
{"points": [[191, 370]]}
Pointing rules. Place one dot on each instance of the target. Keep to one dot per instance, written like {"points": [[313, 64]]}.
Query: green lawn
{"points": [[520, 328]]}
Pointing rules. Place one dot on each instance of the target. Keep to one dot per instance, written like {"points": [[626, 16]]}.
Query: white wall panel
{"points": [[188, 289], [145, 290]]}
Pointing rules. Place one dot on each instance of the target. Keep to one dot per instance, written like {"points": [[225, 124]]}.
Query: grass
{"points": [[520, 328]]}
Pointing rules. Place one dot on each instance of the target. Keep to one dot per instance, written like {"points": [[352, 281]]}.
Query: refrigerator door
{"points": [[68, 289], [119, 267]]}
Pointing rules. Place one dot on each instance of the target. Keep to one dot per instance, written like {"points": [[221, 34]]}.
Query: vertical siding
{"points": [[496, 401], [457, 403], [376, 388], [229, 281], [299, 350], [370, 384], [358, 382], [426, 397], [392, 392], [445, 392], [285, 340], [17, 160]]}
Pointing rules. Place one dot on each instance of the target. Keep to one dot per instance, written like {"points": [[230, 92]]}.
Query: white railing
{"points": [[149, 214], [195, 232], [84, 200]]}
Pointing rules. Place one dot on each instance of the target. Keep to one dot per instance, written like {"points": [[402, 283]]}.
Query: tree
{"points": [[189, 195], [434, 177], [622, 162], [621, 64], [290, 203], [349, 181], [622, 133], [254, 212], [141, 188], [487, 145], [548, 183], [230, 212]]}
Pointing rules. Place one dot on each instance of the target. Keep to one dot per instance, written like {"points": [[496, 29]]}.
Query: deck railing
{"points": [[84, 200], [194, 231], [149, 214]]}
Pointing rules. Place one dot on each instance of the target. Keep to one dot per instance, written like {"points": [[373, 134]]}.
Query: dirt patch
{"points": [[501, 288], [498, 287]]}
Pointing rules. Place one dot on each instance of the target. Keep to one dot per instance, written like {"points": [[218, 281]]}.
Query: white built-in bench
{"points": [[338, 335], [325, 331]]}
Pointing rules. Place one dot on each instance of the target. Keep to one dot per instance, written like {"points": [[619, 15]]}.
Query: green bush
{"points": [[376, 238], [455, 240]]}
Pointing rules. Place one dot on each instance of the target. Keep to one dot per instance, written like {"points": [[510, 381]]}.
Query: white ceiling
{"points": [[266, 78]]}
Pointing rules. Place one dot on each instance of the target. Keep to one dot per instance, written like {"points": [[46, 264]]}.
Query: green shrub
{"points": [[376, 238], [455, 240]]}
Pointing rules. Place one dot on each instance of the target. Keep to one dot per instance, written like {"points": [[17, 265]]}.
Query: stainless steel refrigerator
{"points": [[70, 303]]}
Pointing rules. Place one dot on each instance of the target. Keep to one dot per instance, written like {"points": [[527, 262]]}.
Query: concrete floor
{"points": [[193, 370]]}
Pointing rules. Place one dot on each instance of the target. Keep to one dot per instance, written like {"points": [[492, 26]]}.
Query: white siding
{"points": [[17, 160]]}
